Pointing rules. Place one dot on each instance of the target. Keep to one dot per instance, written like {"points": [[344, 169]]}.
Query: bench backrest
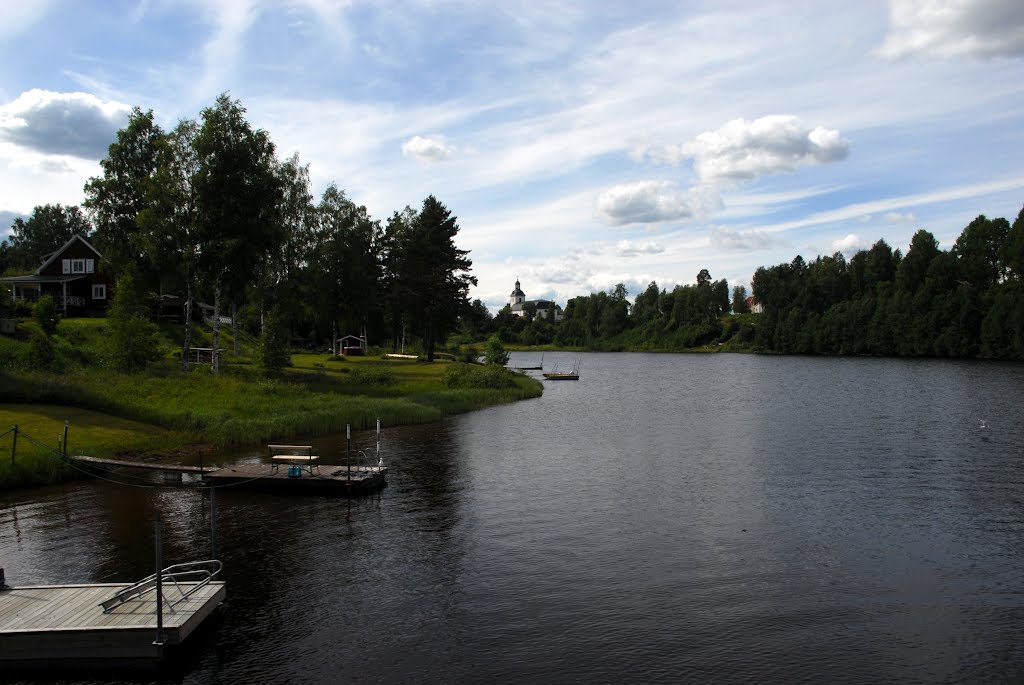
{"points": [[306, 450]]}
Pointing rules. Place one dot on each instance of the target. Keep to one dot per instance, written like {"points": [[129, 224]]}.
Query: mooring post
{"points": [[14, 445], [65, 443], [160, 637], [213, 522], [348, 451]]}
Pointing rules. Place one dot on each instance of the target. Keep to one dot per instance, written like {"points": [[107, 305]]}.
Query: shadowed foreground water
{"points": [[668, 518]]}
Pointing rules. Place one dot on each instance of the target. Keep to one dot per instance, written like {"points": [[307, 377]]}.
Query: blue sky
{"points": [[580, 144]]}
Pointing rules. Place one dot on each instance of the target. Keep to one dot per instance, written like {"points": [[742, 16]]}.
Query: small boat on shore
{"points": [[556, 375], [567, 376]]}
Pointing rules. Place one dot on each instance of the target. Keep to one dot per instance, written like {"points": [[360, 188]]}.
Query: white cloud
{"points": [[955, 28], [627, 248], [643, 202], [742, 150], [849, 244], [76, 124], [728, 238], [429, 149], [900, 218]]}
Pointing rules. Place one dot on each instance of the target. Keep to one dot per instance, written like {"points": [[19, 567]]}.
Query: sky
{"points": [[580, 144]]}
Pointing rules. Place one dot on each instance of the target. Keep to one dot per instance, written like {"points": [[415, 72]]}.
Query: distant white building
{"points": [[518, 304]]}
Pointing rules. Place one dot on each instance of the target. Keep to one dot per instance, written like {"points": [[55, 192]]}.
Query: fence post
{"points": [[14, 445], [66, 437]]}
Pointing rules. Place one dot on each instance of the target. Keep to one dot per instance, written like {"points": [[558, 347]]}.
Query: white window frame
{"points": [[78, 266], [99, 291]]}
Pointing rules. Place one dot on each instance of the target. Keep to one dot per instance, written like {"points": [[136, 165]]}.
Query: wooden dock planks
{"points": [[332, 479], [167, 468], [52, 623]]}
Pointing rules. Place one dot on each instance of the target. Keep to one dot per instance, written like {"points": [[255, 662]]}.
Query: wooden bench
{"points": [[303, 455]]}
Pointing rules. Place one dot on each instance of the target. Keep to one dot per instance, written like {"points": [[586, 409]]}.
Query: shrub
{"points": [[44, 315], [495, 352], [490, 376], [372, 375], [273, 344], [41, 354], [134, 340]]}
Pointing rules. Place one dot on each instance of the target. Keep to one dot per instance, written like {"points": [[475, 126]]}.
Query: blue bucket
{"points": [[294, 471]]}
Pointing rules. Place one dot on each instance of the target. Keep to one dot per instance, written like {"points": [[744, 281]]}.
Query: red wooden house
{"points": [[75, 276]]}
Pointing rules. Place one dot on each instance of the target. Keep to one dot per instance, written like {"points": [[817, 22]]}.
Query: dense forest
{"points": [[964, 302], [208, 212]]}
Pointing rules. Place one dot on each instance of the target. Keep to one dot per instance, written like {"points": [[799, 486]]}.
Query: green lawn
{"points": [[163, 410], [41, 430]]}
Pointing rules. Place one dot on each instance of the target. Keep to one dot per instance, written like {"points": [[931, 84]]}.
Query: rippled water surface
{"points": [[668, 518]]}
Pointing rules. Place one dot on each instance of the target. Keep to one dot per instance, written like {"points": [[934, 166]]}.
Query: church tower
{"points": [[517, 297]]}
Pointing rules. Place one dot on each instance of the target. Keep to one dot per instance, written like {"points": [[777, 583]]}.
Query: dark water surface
{"points": [[668, 518]]}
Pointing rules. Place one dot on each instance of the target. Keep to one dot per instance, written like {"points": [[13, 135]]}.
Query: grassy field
{"points": [[165, 411]]}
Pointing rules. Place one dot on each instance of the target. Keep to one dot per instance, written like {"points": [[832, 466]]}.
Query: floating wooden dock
{"points": [[167, 468], [326, 479], [64, 625]]}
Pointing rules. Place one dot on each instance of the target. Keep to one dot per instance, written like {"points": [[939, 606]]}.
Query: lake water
{"points": [[668, 518]]}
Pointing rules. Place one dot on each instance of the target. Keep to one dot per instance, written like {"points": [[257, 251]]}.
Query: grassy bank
{"points": [[164, 410]]}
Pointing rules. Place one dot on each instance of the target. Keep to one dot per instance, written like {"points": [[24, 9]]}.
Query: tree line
{"points": [[967, 301], [209, 211]]}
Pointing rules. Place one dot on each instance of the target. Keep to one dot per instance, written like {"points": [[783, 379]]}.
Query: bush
{"points": [[372, 375], [273, 345], [133, 343], [490, 376], [495, 352], [41, 354], [44, 315]]}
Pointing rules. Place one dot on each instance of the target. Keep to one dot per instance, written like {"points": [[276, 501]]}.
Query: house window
{"points": [[99, 292], [78, 266]]}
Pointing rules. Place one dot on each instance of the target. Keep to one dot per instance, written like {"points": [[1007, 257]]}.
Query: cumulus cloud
{"points": [[900, 218], [644, 202], [627, 248], [427, 149], [955, 28], [76, 124], [849, 245], [742, 150]]}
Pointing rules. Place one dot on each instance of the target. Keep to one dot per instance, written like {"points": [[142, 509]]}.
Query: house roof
{"points": [[36, 278], [55, 255]]}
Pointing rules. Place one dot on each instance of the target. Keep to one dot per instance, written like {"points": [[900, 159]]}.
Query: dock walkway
{"points": [[333, 479], [66, 624], [156, 466]]}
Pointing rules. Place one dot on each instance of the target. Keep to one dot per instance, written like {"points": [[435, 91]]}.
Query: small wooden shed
{"points": [[351, 346]]}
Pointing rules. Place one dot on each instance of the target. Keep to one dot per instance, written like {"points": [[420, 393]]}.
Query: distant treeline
{"points": [[964, 302]]}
